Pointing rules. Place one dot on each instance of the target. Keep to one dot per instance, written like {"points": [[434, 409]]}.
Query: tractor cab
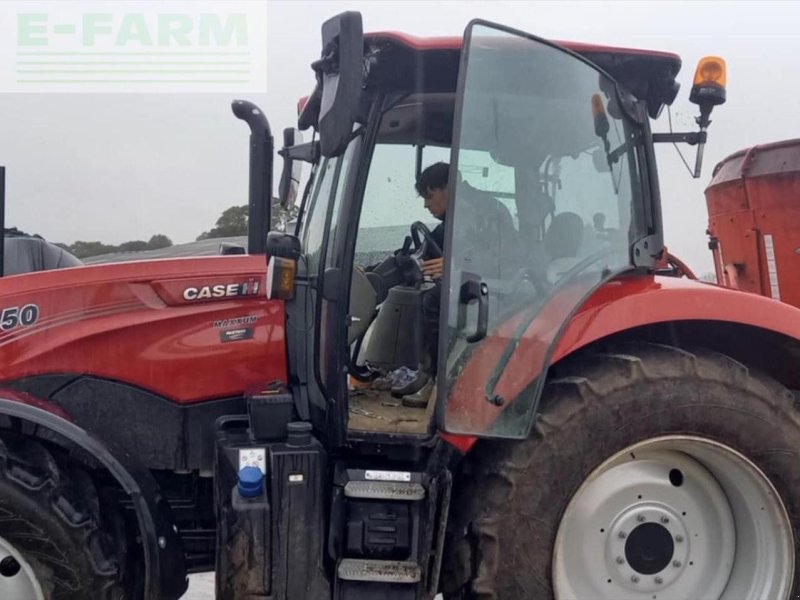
{"points": [[550, 193]]}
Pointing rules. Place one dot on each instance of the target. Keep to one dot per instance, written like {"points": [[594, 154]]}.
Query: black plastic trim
{"points": [[653, 244], [162, 433], [343, 255]]}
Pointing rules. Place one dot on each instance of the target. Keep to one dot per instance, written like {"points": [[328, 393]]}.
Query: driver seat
{"points": [[562, 242], [395, 339]]}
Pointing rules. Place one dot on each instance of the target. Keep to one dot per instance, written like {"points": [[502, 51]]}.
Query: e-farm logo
{"points": [[118, 46]]}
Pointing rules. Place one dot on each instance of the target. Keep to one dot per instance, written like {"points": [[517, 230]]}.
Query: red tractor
{"points": [[584, 425]]}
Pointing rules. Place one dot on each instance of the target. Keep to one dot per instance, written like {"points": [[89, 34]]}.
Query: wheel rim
{"points": [[17, 579], [675, 517]]}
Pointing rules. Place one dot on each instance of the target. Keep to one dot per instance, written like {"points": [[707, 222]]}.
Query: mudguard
{"points": [[165, 571], [620, 305]]}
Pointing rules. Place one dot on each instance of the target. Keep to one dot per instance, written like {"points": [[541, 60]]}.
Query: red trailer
{"points": [[754, 220]]}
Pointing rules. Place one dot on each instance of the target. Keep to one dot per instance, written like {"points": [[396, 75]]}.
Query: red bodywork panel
{"points": [[754, 219], [617, 306], [187, 329]]}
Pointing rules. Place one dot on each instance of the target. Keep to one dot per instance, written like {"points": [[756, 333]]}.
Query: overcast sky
{"points": [[119, 167]]}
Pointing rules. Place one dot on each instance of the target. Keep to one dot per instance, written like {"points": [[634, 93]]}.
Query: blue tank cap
{"points": [[251, 482]]}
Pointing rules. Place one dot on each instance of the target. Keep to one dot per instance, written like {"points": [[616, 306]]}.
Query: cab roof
{"points": [[648, 74], [454, 43]]}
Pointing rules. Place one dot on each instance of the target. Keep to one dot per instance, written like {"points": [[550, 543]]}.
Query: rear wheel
{"points": [[53, 540], [651, 473]]}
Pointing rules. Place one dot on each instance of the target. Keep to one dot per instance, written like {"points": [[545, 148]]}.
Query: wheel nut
{"points": [[635, 579], [676, 563], [622, 535], [665, 520], [679, 538], [641, 519], [659, 581], [620, 560]]}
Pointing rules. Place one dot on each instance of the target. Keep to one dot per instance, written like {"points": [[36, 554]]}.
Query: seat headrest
{"points": [[564, 236]]}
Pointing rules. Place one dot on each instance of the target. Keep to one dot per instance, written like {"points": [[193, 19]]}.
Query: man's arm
{"points": [[433, 267]]}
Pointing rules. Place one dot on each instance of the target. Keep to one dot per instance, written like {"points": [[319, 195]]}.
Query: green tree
{"points": [[132, 246], [159, 240], [232, 222]]}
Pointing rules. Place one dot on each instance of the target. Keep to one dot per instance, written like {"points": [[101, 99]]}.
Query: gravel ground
{"points": [[201, 587]]}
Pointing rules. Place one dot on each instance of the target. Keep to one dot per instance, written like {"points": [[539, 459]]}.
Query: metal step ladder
{"points": [[386, 539]]}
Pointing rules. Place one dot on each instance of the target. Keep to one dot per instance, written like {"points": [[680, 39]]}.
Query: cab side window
{"points": [[391, 202]]}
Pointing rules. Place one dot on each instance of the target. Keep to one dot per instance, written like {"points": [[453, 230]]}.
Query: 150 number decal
{"points": [[14, 316]]}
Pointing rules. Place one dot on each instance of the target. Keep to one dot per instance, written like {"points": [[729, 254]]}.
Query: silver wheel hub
{"points": [[674, 518], [649, 554], [17, 579]]}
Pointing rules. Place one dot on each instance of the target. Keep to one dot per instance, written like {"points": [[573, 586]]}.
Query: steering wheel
{"points": [[426, 246]]}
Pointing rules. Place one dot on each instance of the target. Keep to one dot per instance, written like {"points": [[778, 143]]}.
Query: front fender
{"points": [[165, 572], [624, 304]]}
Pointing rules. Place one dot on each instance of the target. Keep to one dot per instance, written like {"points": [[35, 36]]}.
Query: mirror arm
{"points": [[692, 138], [308, 152], [698, 161]]}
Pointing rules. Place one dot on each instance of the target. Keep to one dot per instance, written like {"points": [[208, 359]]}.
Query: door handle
{"points": [[474, 289]]}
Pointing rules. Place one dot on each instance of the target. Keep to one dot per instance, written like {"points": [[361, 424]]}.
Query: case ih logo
{"points": [[221, 290]]}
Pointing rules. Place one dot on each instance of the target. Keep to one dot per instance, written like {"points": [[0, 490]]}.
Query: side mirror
{"points": [[292, 169], [340, 70]]}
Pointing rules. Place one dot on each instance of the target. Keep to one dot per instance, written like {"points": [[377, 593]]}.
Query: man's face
{"points": [[436, 202]]}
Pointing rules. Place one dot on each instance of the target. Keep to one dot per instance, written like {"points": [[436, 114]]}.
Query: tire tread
{"points": [[575, 386], [53, 485]]}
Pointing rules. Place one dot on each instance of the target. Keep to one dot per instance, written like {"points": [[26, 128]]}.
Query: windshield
{"points": [[561, 223]]}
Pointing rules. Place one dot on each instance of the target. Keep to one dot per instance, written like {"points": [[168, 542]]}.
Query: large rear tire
{"points": [[651, 473], [54, 543]]}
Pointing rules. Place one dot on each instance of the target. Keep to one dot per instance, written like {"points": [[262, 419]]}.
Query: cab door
{"points": [[545, 205]]}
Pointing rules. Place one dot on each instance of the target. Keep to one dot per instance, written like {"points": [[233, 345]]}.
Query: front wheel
{"points": [[651, 473], [54, 539]]}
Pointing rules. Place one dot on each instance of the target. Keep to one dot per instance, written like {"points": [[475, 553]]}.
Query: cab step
{"points": [[387, 532], [385, 490], [388, 571]]}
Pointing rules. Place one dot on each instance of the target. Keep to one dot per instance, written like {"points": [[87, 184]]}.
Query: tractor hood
{"points": [[135, 273], [187, 330]]}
